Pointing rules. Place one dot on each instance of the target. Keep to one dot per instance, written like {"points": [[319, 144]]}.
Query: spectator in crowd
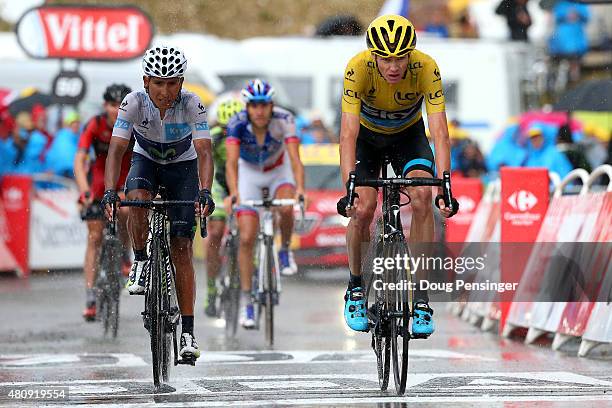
{"points": [[26, 146], [542, 152], [573, 151], [517, 17], [39, 116], [464, 27], [437, 24], [569, 40], [466, 157], [509, 150], [595, 145], [59, 159], [315, 131]]}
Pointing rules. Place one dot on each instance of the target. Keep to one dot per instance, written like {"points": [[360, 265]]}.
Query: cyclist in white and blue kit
{"points": [[172, 149]]}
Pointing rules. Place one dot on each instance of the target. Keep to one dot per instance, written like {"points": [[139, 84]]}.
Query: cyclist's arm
{"points": [[293, 150], [116, 149], [80, 159], [205, 162], [349, 130], [438, 129], [231, 166], [80, 170], [431, 84]]}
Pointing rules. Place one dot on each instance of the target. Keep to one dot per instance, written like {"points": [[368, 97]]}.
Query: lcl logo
{"points": [[522, 200]]}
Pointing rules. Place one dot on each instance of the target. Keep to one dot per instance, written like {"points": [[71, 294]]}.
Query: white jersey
{"points": [[164, 141]]}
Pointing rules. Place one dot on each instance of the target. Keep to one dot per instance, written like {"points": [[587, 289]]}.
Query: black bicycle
{"points": [[389, 308], [109, 282], [229, 298], [162, 313]]}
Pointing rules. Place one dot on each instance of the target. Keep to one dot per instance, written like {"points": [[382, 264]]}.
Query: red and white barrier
{"points": [[573, 321], [43, 229], [520, 313], [547, 315]]}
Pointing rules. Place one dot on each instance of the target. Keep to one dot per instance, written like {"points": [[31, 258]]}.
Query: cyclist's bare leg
{"points": [[181, 252], [94, 242], [122, 228], [286, 215], [358, 230], [422, 225], [215, 229], [247, 226], [138, 221]]}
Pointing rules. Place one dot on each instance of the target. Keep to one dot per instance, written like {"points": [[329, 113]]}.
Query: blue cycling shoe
{"points": [[355, 310], [422, 321]]}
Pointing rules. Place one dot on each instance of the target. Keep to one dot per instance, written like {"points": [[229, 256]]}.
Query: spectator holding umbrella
{"points": [[542, 152]]}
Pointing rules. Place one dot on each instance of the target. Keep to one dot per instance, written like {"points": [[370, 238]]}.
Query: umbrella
{"points": [[592, 96], [27, 99]]}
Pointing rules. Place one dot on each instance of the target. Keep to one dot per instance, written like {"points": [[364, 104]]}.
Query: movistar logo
{"points": [[167, 155]]}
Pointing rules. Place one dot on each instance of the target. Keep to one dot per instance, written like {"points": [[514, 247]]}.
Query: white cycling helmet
{"points": [[164, 62]]}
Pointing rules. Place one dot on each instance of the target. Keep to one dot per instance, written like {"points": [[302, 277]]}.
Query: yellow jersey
{"points": [[390, 108]]}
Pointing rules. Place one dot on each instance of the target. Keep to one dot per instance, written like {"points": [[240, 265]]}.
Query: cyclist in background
{"points": [[96, 137], [216, 220], [173, 150], [385, 87], [262, 151]]}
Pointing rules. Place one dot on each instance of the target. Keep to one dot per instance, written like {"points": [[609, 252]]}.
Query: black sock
{"points": [[140, 254], [354, 281], [187, 324]]}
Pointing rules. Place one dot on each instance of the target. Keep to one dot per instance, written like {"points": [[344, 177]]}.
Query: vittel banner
{"points": [[84, 32]]}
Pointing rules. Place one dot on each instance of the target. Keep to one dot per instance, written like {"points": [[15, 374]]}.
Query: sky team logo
{"points": [[522, 200]]}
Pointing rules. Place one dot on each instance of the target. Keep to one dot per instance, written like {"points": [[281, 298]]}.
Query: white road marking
{"points": [[353, 401], [261, 385], [54, 361]]}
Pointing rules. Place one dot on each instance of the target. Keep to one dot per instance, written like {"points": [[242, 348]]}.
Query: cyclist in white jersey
{"points": [[172, 149], [262, 151]]}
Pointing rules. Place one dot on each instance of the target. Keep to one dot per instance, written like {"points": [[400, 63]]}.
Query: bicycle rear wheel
{"points": [[399, 310]]}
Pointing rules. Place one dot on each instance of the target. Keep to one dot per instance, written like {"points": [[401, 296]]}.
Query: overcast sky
{"points": [[11, 10]]}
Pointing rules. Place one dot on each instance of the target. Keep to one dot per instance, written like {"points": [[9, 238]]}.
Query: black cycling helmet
{"points": [[116, 92]]}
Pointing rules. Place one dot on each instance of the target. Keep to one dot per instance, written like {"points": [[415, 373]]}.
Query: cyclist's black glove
{"points": [[454, 204], [204, 198], [110, 197], [342, 204]]}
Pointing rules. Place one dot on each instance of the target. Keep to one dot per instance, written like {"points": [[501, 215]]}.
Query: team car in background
{"points": [[320, 239]]}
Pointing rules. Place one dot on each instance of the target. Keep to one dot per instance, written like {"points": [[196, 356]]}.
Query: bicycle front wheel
{"points": [[377, 315], [269, 290], [156, 329], [230, 294], [399, 310]]}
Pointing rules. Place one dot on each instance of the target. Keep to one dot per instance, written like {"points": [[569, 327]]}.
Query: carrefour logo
{"points": [[522, 200], [466, 204]]}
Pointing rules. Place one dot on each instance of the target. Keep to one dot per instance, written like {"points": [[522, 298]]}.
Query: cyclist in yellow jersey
{"points": [[385, 88]]}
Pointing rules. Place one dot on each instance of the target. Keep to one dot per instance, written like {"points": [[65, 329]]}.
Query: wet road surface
{"points": [[316, 361]]}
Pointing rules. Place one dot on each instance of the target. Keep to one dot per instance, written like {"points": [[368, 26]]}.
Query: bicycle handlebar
{"points": [[157, 205], [444, 182], [276, 202]]}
